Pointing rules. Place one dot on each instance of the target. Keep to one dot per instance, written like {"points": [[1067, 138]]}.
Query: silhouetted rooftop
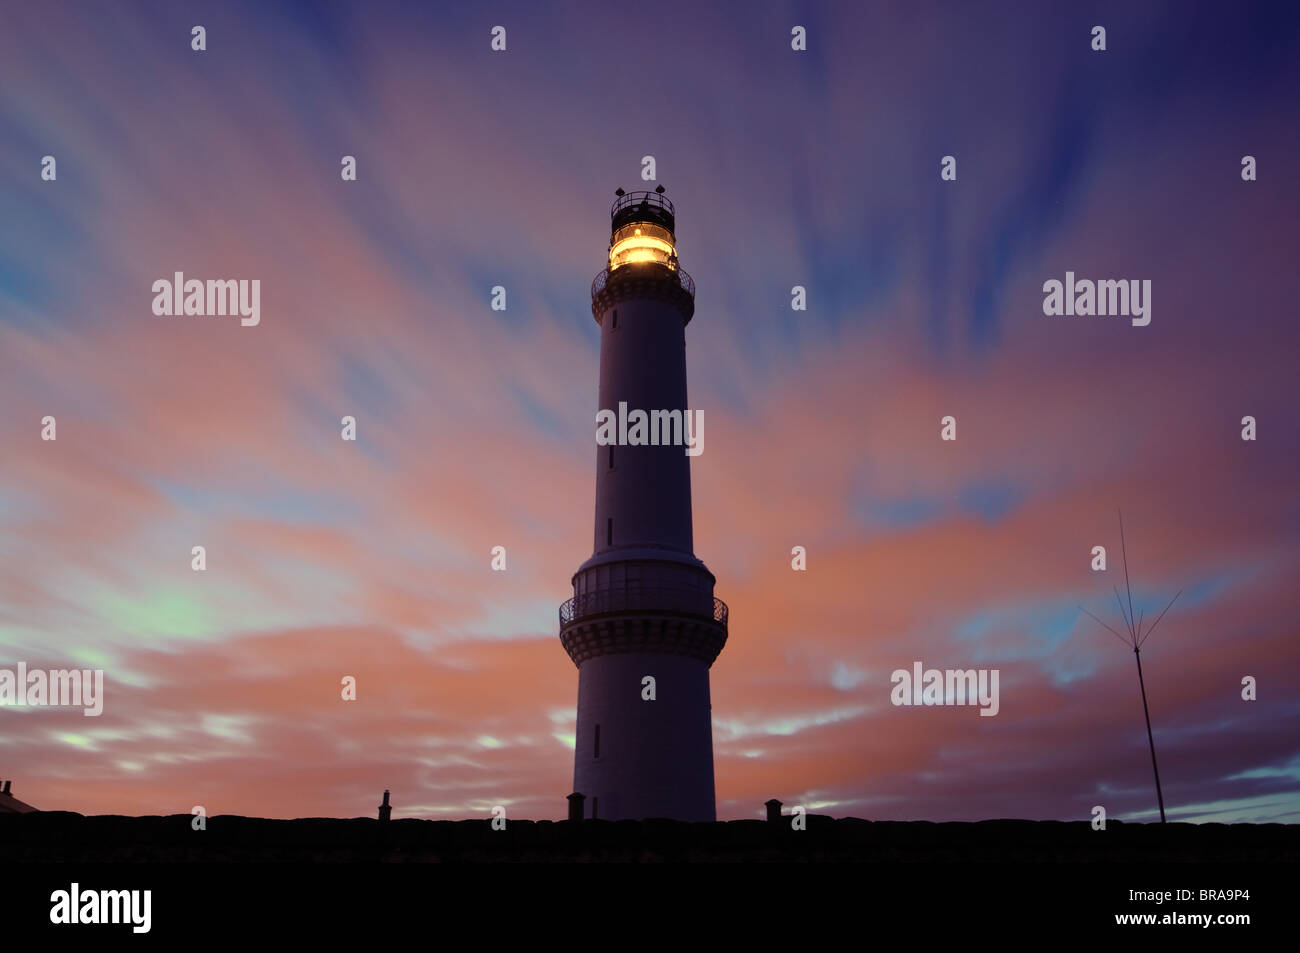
{"points": [[57, 836]]}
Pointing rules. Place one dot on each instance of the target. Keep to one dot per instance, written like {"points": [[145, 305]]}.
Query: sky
{"points": [[819, 168]]}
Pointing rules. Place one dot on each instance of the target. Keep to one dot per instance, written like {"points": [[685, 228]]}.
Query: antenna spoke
{"points": [[1103, 624], [1161, 616], [1124, 549], [1127, 623]]}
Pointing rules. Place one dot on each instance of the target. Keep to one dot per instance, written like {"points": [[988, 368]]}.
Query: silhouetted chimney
{"points": [[385, 809], [7, 783], [575, 805], [773, 810]]}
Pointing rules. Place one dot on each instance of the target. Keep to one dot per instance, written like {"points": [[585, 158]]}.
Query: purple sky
{"points": [[819, 168]]}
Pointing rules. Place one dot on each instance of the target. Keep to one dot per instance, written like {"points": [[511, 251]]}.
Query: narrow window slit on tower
{"points": [[615, 324], [596, 754], [609, 531]]}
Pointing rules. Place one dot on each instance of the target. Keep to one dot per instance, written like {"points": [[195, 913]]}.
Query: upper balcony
{"points": [[653, 207], [640, 269]]}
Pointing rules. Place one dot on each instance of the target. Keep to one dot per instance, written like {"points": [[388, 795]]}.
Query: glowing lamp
{"points": [[642, 242]]}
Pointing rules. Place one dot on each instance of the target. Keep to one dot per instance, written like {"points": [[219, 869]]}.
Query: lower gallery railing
{"points": [[649, 599]]}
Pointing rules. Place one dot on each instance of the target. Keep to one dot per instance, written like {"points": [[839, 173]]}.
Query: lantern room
{"points": [[641, 230]]}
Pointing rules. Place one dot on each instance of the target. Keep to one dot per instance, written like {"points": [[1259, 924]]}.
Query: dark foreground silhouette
{"points": [[60, 837]]}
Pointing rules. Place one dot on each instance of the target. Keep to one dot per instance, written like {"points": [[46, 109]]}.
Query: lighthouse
{"points": [[643, 626]]}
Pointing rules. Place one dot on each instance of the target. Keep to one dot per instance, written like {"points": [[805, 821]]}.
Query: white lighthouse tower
{"points": [[643, 606]]}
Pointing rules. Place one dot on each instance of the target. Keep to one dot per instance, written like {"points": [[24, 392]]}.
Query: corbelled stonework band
{"points": [[609, 635], [623, 283]]}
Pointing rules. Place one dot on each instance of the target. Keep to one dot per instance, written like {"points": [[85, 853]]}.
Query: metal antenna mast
{"points": [[1135, 639]]}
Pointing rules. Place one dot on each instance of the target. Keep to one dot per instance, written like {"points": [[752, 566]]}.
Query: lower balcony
{"points": [[669, 601]]}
